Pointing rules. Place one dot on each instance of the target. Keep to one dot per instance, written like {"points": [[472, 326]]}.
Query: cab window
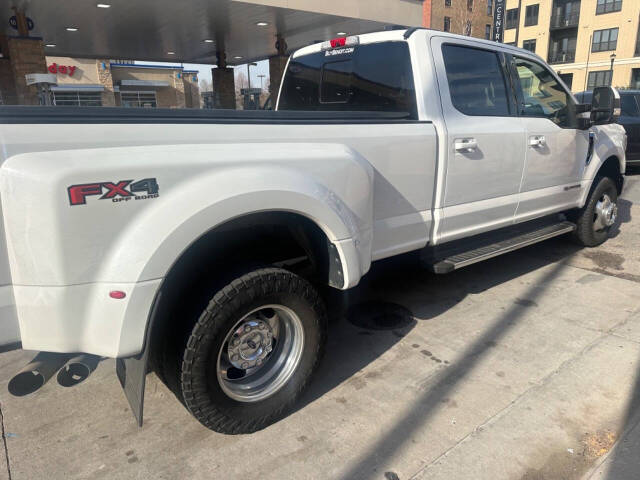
{"points": [[476, 81], [542, 95]]}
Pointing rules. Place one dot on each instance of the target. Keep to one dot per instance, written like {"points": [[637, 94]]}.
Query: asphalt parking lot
{"points": [[523, 367]]}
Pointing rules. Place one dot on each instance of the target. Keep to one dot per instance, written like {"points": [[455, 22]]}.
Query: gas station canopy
{"points": [[193, 31]]}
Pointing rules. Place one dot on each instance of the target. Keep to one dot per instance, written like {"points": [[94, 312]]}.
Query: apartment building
{"points": [[581, 39]]}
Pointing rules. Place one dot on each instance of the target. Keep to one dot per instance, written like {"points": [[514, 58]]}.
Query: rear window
{"points": [[373, 77]]}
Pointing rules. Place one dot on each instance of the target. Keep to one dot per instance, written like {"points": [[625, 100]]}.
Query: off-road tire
{"points": [[199, 384], [584, 233]]}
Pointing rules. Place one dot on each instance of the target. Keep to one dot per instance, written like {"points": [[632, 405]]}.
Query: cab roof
{"points": [[404, 35]]}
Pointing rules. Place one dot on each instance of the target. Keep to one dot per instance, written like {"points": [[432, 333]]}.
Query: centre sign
{"points": [[498, 21]]}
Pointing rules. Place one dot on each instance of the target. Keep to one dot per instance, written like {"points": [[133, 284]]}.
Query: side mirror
{"points": [[583, 108], [605, 106]]}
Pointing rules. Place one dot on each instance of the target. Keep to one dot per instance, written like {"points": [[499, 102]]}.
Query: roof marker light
{"points": [[341, 42], [117, 294], [103, 5], [71, 29]]}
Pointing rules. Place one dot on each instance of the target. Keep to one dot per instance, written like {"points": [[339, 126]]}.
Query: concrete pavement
{"points": [[522, 367]]}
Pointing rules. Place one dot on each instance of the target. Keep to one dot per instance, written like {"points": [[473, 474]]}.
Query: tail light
{"points": [[341, 42]]}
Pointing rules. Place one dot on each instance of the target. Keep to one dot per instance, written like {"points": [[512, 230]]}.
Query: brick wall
{"points": [[178, 86], [460, 15], [106, 80], [166, 97], [426, 13], [7, 84], [26, 55], [224, 92], [191, 90]]}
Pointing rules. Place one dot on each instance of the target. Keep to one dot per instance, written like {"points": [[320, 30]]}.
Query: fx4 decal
{"points": [[121, 191]]}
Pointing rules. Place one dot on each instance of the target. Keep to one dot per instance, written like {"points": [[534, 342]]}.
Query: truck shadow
{"points": [[71, 368], [623, 461], [402, 285]]}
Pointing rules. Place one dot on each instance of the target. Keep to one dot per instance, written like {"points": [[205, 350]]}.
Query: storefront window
{"points": [[77, 98], [138, 99]]}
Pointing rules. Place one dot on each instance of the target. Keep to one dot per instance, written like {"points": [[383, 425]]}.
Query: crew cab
{"points": [[196, 242]]}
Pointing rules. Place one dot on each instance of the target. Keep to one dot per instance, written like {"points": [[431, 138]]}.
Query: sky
{"points": [[205, 71]]}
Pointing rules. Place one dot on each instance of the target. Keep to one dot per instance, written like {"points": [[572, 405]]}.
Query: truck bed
{"points": [[367, 177]]}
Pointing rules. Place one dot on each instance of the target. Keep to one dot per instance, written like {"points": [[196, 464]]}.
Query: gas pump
{"points": [[250, 98]]}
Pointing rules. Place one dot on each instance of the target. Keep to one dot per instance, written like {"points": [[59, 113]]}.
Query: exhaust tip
{"points": [[72, 374], [25, 383]]}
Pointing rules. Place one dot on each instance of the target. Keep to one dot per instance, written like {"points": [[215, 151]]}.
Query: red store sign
{"points": [[62, 69]]}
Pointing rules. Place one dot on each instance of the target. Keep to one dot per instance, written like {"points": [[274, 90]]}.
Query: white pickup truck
{"points": [[195, 241]]}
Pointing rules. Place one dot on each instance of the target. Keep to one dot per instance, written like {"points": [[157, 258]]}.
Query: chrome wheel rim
{"points": [[260, 353], [605, 213]]}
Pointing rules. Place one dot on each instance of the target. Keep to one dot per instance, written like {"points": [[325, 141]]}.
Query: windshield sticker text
{"points": [[339, 51]]}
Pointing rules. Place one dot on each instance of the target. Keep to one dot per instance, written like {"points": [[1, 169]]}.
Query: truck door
{"points": [[556, 149], [485, 141]]}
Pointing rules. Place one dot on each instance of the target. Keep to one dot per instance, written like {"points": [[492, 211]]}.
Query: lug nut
{"points": [[247, 328], [262, 326], [236, 342], [245, 365], [235, 357]]}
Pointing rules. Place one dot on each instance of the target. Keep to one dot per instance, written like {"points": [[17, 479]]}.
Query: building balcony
{"points": [[562, 57], [565, 21]]}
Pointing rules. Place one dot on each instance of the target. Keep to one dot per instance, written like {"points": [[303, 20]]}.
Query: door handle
{"points": [[537, 141], [465, 144]]}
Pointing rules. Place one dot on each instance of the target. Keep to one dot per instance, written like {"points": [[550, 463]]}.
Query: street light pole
{"points": [[613, 57], [586, 73], [261, 76], [252, 64]]}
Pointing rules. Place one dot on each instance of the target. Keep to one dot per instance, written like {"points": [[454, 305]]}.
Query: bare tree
{"points": [[241, 79], [205, 85]]}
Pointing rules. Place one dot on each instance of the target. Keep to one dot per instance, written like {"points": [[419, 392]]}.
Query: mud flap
{"points": [[132, 373]]}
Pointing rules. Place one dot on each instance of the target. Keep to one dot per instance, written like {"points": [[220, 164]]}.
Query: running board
{"points": [[452, 259]]}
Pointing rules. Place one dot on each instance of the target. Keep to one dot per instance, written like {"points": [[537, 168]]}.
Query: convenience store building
{"points": [[101, 82]]}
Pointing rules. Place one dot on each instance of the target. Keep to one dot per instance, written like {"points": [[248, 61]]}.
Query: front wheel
{"points": [[596, 218], [252, 351]]}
